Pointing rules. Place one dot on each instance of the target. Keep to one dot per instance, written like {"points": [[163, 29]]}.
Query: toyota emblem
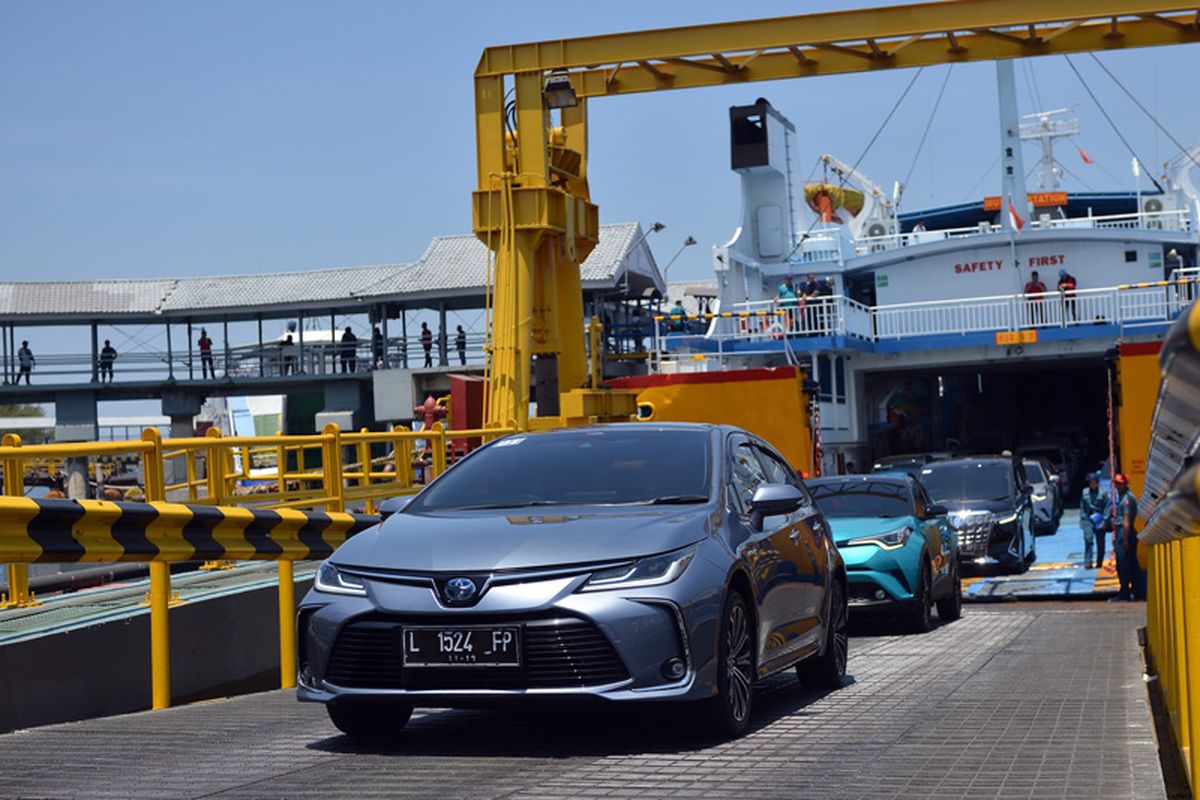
{"points": [[460, 590]]}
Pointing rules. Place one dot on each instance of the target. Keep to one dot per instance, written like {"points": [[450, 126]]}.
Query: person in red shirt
{"points": [[1066, 290], [1037, 310], [206, 362]]}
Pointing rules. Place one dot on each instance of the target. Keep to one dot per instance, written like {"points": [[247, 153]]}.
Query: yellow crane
{"points": [[534, 211]]}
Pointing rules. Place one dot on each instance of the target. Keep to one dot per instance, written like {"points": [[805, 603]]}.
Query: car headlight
{"points": [[889, 540], [333, 580], [1039, 497], [1010, 519], [651, 571]]}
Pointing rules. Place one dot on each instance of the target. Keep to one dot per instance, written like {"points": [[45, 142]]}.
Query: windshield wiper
{"points": [[522, 504], [677, 499]]}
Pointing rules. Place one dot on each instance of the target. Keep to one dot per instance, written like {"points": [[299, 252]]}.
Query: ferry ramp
{"points": [[1013, 700]]}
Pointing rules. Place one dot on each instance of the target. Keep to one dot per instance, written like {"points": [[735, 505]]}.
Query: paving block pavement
{"points": [[1014, 701]]}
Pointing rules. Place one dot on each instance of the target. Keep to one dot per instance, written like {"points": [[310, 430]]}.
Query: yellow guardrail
{"points": [[1170, 506], [315, 477]]}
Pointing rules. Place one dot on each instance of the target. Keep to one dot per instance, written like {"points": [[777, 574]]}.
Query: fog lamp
{"points": [[674, 669]]}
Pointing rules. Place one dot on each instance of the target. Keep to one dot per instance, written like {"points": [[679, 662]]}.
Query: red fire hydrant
{"points": [[430, 411]]}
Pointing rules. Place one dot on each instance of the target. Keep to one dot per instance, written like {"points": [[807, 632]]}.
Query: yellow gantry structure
{"points": [[534, 210]]}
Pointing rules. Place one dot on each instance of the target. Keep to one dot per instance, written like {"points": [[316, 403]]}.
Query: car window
{"points": [[861, 498], [919, 500], [950, 481], [588, 466], [746, 471], [1033, 471]]}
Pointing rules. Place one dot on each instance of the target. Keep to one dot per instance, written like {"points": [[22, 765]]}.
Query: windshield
{"points": [[1054, 455], [585, 467], [968, 480], [1033, 471], [859, 498]]}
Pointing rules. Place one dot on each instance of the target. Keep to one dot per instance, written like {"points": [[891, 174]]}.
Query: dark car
{"points": [[1046, 498], [989, 504], [899, 550], [625, 563], [909, 462]]}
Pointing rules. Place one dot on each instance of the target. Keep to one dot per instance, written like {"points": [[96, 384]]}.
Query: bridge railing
{"points": [[1170, 505], [300, 516]]}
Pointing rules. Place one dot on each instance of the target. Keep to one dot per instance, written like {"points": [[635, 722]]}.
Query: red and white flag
{"points": [[1014, 218]]}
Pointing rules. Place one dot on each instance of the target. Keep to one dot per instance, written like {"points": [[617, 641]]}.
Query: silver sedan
{"points": [[628, 562]]}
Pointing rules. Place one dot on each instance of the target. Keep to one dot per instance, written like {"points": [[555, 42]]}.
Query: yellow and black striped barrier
{"points": [[52, 530], [1153, 284]]}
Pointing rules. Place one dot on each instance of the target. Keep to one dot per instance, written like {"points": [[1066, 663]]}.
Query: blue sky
{"points": [[144, 138]]}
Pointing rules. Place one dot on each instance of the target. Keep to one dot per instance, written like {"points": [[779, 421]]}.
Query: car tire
{"points": [[828, 670], [727, 715], [370, 721], [920, 617], [949, 608]]}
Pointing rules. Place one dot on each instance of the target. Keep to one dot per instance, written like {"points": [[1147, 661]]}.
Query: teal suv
{"points": [[900, 553]]}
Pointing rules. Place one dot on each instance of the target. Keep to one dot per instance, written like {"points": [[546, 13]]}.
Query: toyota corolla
{"points": [[628, 562]]}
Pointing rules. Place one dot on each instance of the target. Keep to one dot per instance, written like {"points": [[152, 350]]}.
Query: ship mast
{"points": [[1045, 127]]}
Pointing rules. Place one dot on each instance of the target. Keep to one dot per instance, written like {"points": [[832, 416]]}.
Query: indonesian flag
{"points": [[1086, 158], [1014, 218]]}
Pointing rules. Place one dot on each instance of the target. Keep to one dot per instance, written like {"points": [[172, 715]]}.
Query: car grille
{"points": [[556, 653], [974, 531]]}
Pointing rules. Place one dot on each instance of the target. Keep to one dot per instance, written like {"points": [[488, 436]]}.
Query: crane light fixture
{"points": [[558, 91]]}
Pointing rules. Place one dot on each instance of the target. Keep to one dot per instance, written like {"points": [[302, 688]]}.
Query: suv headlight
{"points": [[333, 580], [1010, 519], [651, 571], [889, 540]]}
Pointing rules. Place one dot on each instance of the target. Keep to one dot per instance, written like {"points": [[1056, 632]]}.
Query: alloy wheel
{"points": [[739, 664]]}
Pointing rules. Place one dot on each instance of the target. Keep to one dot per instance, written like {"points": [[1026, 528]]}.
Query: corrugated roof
{"points": [[90, 297], [459, 262], [275, 288], [451, 265]]}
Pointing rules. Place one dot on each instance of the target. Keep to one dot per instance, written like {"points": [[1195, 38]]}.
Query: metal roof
{"points": [[452, 266]]}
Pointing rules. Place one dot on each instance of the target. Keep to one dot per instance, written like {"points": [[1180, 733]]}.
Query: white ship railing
{"points": [[767, 322], [1175, 220]]}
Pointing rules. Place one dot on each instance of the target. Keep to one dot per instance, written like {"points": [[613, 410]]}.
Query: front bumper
{"points": [[879, 579], [610, 645]]}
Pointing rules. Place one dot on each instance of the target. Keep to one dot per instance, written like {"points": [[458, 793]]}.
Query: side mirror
{"points": [[773, 499], [935, 510], [1055, 479], [1027, 489], [394, 505]]}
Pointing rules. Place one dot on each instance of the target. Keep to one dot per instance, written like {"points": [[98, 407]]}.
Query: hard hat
{"points": [[1097, 519], [1121, 479], [1062, 273]]}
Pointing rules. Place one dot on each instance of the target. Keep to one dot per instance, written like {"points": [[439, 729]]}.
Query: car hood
{"points": [[997, 506], [847, 528], [463, 541]]}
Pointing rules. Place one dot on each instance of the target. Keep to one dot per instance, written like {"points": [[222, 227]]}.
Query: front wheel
{"points": [[828, 670], [920, 618], [728, 714], [949, 608], [364, 721]]}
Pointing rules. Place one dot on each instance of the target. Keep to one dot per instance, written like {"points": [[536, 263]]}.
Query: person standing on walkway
{"points": [[1093, 511], [107, 356], [26, 360], [376, 347], [460, 344], [349, 351], [1066, 291], [1124, 517], [1037, 309], [206, 362], [427, 343]]}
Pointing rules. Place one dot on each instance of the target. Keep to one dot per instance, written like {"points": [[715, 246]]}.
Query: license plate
{"points": [[473, 646]]}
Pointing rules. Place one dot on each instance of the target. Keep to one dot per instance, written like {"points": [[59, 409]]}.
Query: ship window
{"points": [[1130, 255], [839, 379], [823, 378]]}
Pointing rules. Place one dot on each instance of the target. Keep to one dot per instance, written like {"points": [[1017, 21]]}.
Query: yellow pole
{"points": [[160, 584], [287, 625], [1191, 640], [332, 468], [364, 479], [19, 595], [1180, 667]]}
